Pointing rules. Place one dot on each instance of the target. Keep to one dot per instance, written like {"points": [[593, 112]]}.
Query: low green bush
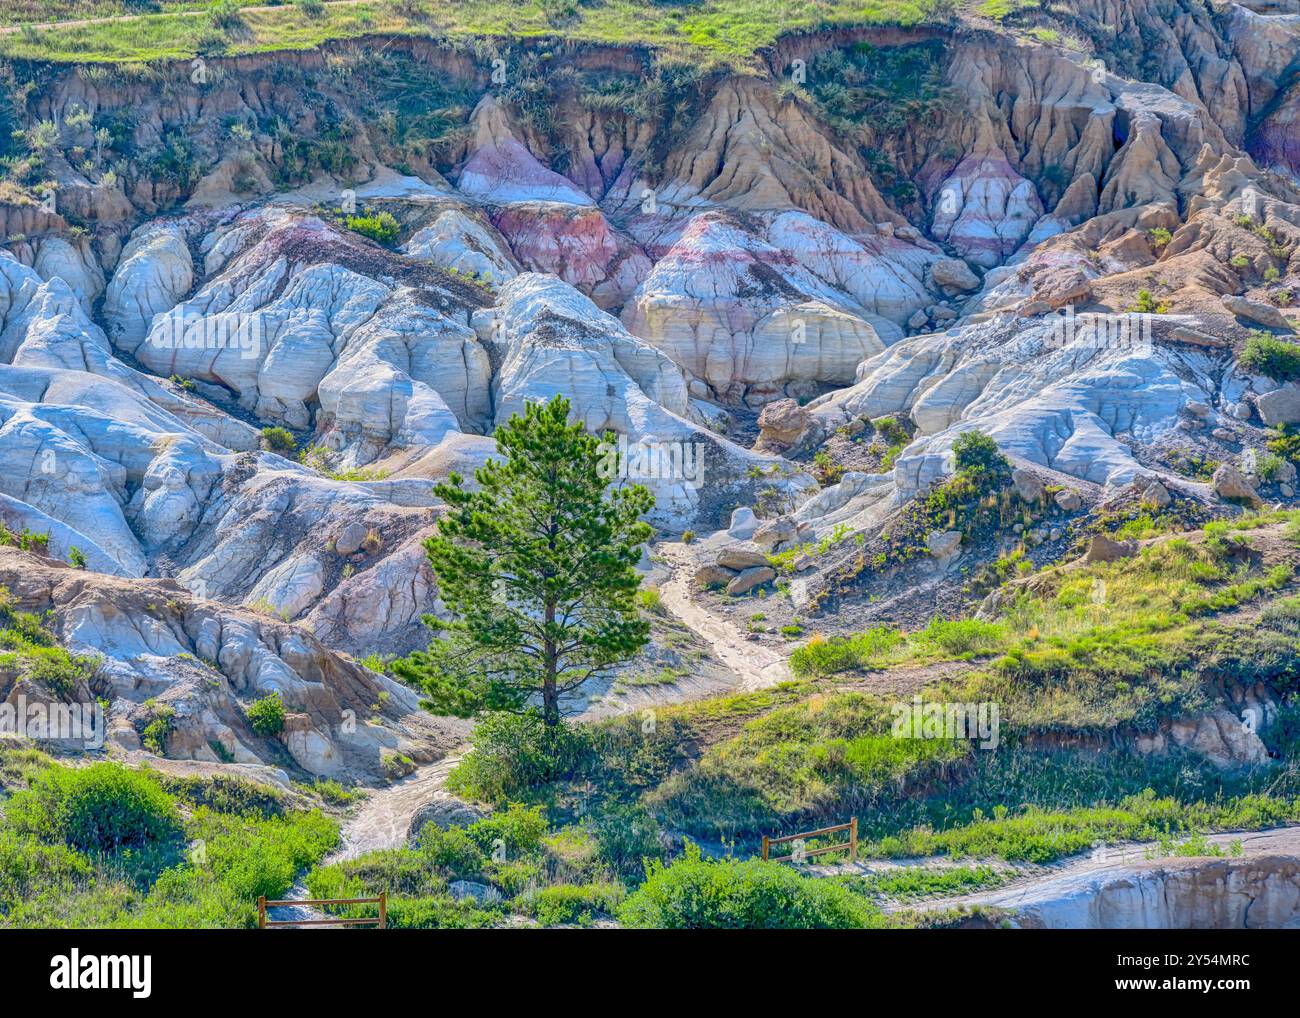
{"points": [[103, 807], [975, 452], [1274, 358], [573, 903], [266, 716], [511, 755], [279, 440], [378, 226], [693, 893]]}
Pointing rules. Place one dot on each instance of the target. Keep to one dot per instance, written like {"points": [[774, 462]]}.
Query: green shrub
{"points": [[159, 729], [266, 716], [1041, 836], [1148, 304], [104, 807], [442, 913], [821, 656], [1272, 357], [696, 894], [1285, 442], [76, 558], [1268, 466], [975, 452], [279, 440], [513, 754], [334, 793], [378, 226], [399, 871], [226, 794], [960, 637], [881, 646], [649, 599], [517, 829], [452, 851], [53, 667], [891, 431], [572, 903]]}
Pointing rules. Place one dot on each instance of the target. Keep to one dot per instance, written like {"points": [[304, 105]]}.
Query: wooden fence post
{"points": [[261, 912], [383, 910], [853, 840], [765, 848]]}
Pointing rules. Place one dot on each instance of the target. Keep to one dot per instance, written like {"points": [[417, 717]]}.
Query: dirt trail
{"points": [[383, 818], [756, 666], [381, 821]]}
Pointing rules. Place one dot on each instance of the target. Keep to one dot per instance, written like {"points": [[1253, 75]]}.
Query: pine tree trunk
{"points": [[550, 696]]}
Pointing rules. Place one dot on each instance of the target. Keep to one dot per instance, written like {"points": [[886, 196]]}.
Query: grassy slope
{"points": [[1086, 658], [235, 840], [729, 30], [723, 769]]}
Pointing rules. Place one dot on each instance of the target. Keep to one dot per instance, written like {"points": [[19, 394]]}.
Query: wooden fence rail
{"points": [[380, 921], [851, 845]]}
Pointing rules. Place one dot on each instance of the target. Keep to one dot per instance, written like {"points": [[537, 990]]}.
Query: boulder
{"points": [[782, 425], [1229, 482], [1150, 492], [1281, 406], [1107, 549], [954, 275], [1069, 500], [444, 811], [481, 893], [743, 523], [944, 544], [753, 577], [1028, 486], [310, 748], [740, 556], [1058, 287], [1221, 738], [712, 575], [350, 538], [775, 532], [1256, 311], [1033, 308]]}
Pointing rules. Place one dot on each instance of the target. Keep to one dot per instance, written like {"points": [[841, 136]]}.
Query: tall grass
{"points": [[883, 646]]}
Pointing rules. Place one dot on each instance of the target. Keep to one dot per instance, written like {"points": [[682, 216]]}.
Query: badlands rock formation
{"points": [[1127, 888], [1065, 248], [161, 648]]}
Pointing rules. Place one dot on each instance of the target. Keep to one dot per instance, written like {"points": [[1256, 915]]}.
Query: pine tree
{"points": [[538, 567]]}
